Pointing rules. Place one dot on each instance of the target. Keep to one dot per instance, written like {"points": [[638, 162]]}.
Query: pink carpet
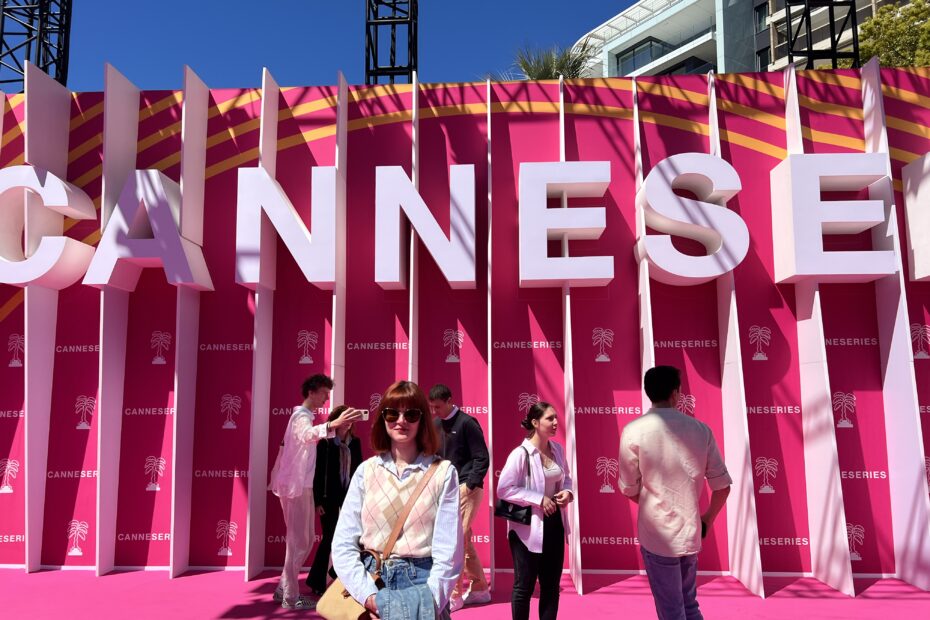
{"points": [[78, 595]]}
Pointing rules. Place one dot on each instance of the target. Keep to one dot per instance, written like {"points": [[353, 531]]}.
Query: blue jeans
{"points": [[405, 595], [673, 582]]}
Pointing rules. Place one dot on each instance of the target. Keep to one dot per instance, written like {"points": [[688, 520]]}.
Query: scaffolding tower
{"points": [[386, 19], [37, 31], [841, 21]]}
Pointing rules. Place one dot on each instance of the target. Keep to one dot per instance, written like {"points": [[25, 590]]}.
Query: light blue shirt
{"points": [[447, 548]]}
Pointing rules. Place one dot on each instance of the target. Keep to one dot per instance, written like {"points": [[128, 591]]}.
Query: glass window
{"points": [[762, 16], [640, 55], [763, 59]]}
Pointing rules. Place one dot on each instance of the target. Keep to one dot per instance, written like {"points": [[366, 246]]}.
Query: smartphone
{"points": [[364, 415]]}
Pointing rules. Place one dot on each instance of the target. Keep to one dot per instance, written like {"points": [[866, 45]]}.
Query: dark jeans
{"points": [[316, 580], [674, 585], [545, 566]]}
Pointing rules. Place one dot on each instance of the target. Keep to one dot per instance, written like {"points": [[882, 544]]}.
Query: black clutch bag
{"points": [[513, 512]]}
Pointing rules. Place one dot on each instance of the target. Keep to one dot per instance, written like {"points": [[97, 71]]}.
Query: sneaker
{"points": [[477, 598], [456, 603], [278, 596], [301, 603]]}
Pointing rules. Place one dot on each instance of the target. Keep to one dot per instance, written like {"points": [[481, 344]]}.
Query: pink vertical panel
{"points": [[907, 117], [673, 113], [831, 115], [607, 376], [222, 422], [12, 369], [752, 106], [526, 329], [303, 312], [452, 323], [379, 134]]}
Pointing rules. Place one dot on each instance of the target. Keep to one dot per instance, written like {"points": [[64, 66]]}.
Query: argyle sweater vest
{"points": [[384, 500]]}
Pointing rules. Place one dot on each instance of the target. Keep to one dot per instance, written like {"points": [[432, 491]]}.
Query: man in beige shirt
{"points": [[665, 457]]}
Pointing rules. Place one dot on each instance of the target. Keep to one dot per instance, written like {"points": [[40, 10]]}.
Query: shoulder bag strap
{"points": [[399, 525], [528, 479]]}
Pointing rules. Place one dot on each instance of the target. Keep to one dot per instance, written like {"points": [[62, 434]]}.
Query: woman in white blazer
{"points": [[538, 548]]}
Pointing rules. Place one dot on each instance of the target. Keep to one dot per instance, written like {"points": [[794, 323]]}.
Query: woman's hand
{"points": [[548, 506], [372, 605], [563, 498]]}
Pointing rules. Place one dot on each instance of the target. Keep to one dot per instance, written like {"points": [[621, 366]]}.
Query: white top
{"points": [[665, 456], [511, 486], [553, 474], [296, 463]]}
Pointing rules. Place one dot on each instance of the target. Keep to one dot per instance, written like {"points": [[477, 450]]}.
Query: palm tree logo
{"points": [[760, 336], [686, 404], [226, 531], [307, 340], [855, 534], [920, 335], [526, 400], [844, 403], [84, 406], [602, 337], [8, 470], [161, 342], [154, 468], [374, 401], [607, 469], [767, 468], [77, 531], [453, 338], [230, 405], [16, 345]]}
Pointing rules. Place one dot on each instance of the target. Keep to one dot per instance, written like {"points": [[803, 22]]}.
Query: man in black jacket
{"points": [[462, 443]]}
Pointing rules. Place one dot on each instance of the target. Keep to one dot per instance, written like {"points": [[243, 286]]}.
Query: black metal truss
{"points": [[37, 31], [385, 20], [801, 44]]}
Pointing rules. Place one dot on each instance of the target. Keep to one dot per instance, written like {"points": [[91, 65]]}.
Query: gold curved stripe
{"points": [[526, 107], [831, 79], [239, 101], [162, 134], [898, 185], [308, 107], [85, 147], [739, 109], [17, 99], [89, 176], [231, 162], [672, 92], [903, 156], [589, 109], [830, 108], [93, 238], [18, 160], [761, 86], [166, 162], [611, 83], [11, 304], [87, 115], [826, 137], [915, 129], [665, 120], [231, 133], [12, 133], [164, 103], [753, 144], [461, 109], [907, 96]]}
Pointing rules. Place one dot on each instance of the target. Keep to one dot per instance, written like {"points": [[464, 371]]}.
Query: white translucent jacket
{"points": [[296, 462]]}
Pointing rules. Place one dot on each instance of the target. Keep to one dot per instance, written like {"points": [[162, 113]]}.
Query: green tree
{"points": [[899, 34], [548, 64]]}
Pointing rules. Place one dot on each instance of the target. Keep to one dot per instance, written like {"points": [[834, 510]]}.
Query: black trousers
{"points": [[545, 566], [316, 580]]}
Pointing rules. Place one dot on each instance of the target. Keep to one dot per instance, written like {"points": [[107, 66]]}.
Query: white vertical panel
{"points": [[261, 348], [647, 354], [187, 320], [489, 354], [910, 502], [338, 351], [413, 336], [120, 134], [742, 526], [48, 111], [826, 513]]}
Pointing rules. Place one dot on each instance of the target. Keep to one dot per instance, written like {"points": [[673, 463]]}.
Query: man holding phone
{"points": [[462, 442]]}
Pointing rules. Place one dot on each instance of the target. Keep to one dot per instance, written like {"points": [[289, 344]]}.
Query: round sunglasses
{"points": [[412, 416]]}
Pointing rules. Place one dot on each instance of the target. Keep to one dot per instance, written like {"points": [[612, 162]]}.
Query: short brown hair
{"points": [[405, 394]]}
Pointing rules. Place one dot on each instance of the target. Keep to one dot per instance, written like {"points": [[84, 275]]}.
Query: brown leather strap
{"points": [[399, 525]]}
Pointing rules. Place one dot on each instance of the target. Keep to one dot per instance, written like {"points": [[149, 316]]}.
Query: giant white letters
{"points": [[722, 232], [538, 223], [800, 217], [35, 201], [143, 232], [394, 192]]}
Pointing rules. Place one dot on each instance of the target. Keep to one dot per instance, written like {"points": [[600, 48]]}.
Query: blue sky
{"points": [[305, 42]]}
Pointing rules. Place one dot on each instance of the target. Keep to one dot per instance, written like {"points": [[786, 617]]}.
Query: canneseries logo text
{"points": [[154, 469], [83, 408], [160, 342], [16, 344], [855, 534], [760, 337], [226, 533], [77, 531], [229, 407], [767, 469], [453, 339], [607, 469], [603, 339], [8, 470], [920, 336], [844, 404], [306, 342]]}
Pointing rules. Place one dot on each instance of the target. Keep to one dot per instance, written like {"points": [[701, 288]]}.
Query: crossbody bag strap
{"points": [[399, 525]]}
